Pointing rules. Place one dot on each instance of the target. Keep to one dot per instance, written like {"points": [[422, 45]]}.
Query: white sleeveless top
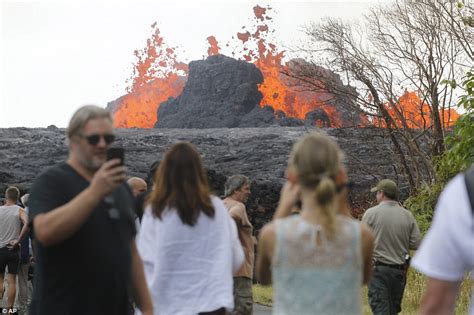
{"points": [[317, 278]]}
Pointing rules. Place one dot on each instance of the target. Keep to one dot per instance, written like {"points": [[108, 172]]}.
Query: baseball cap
{"points": [[387, 186]]}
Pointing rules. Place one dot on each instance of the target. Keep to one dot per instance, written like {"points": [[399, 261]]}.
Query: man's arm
{"points": [[366, 218], [238, 256], [415, 236], [367, 250], [439, 297], [141, 294], [237, 213], [24, 230], [60, 223]]}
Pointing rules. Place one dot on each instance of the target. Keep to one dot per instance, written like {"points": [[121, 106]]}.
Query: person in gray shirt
{"points": [[396, 233]]}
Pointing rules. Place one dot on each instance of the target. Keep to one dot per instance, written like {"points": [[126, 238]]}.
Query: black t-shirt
{"points": [[89, 272]]}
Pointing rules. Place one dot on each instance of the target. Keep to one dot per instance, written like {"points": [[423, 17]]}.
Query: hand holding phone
{"points": [[116, 153], [111, 174]]}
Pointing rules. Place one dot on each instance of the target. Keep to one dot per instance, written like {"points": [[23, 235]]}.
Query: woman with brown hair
{"points": [[188, 241], [319, 259]]}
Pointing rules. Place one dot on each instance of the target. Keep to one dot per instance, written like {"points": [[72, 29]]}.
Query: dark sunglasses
{"points": [[95, 139]]}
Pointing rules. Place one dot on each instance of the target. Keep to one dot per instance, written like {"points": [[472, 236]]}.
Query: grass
{"points": [[411, 299], [262, 294]]}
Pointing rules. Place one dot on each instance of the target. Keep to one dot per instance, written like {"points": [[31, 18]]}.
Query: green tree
{"points": [[457, 158], [461, 143]]}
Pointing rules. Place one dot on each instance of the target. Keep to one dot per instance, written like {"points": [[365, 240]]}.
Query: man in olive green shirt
{"points": [[396, 233]]}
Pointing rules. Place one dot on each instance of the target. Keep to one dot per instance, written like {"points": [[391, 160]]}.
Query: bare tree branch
{"points": [[421, 46]]}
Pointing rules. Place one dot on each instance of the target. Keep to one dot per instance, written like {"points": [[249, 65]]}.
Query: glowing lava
{"points": [[158, 75], [415, 113]]}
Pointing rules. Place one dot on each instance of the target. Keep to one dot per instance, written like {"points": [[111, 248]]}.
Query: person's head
{"points": [[24, 200], [12, 194], [137, 185], [237, 187], [90, 133], [315, 162], [181, 183], [386, 189]]}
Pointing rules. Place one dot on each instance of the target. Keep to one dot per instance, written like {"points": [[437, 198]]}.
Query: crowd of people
{"points": [[103, 243]]}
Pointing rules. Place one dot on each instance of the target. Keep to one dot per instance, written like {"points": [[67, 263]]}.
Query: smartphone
{"points": [[116, 153]]}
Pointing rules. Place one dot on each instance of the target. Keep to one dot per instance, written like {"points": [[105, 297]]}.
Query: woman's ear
{"points": [[291, 175]]}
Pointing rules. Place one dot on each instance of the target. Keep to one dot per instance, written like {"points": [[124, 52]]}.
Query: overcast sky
{"points": [[58, 56]]}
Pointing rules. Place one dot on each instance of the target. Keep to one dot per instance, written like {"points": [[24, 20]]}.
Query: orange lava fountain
{"points": [[276, 90], [159, 75]]}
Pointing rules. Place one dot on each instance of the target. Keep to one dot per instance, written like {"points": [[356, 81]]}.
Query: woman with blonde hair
{"points": [[319, 259], [188, 241]]}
